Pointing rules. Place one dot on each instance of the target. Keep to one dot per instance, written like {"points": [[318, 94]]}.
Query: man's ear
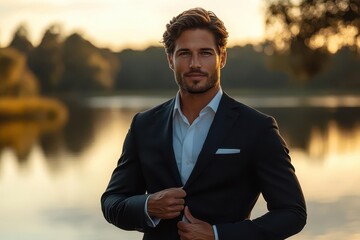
{"points": [[223, 56], [170, 61]]}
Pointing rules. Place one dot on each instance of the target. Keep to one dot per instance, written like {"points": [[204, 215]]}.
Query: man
{"points": [[193, 167]]}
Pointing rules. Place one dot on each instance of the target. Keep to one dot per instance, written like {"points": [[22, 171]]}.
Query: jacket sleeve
{"points": [[124, 200], [275, 176]]}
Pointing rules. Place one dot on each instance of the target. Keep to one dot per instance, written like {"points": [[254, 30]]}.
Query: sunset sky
{"points": [[119, 24]]}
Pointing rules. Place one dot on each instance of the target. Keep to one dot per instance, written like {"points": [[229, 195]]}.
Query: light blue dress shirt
{"points": [[188, 140]]}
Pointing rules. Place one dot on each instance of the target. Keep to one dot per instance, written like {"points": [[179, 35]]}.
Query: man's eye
{"points": [[184, 54], [206, 53]]}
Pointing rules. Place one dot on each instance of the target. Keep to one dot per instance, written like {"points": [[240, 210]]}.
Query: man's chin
{"points": [[198, 90]]}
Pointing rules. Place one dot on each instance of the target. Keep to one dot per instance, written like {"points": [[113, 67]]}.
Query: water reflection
{"points": [[55, 195], [21, 134], [76, 135], [313, 130]]}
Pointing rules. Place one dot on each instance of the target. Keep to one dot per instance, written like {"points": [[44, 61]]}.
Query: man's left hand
{"points": [[195, 229]]}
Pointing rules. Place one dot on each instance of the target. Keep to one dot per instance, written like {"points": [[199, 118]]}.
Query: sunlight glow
{"points": [[58, 194], [335, 153], [335, 41], [122, 24]]}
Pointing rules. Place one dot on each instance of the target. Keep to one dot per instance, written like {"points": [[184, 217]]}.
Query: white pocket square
{"points": [[227, 151]]}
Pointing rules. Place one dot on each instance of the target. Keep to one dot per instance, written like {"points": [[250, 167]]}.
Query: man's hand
{"points": [[195, 229], [166, 204]]}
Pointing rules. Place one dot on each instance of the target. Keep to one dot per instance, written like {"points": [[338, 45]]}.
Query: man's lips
{"points": [[195, 75]]}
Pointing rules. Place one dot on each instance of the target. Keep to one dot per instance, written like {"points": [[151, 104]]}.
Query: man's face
{"points": [[196, 62]]}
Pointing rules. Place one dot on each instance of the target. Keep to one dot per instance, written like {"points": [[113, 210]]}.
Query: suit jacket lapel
{"points": [[165, 120], [223, 121]]}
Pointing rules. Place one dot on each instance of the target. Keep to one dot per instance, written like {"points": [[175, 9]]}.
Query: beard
{"points": [[197, 87]]}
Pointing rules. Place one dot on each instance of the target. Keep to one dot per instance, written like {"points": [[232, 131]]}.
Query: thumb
{"points": [[189, 216]]}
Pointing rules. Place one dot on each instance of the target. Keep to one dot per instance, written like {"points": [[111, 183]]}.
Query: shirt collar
{"points": [[213, 104]]}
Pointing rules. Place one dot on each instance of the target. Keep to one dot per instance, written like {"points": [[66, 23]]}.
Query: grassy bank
{"points": [[34, 108]]}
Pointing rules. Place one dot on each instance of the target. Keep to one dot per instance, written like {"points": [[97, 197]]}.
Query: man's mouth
{"points": [[195, 75]]}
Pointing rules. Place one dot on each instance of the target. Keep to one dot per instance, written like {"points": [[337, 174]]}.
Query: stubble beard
{"points": [[193, 87]]}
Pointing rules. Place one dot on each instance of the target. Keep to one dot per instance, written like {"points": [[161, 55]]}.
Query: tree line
{"points": [[60, 65], [300, 54]]}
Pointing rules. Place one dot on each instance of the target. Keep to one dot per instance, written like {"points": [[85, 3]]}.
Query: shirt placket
{"points": [[187, 154]]}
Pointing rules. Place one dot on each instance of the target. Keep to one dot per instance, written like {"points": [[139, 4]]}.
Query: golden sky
{"points": [[123, 23]]}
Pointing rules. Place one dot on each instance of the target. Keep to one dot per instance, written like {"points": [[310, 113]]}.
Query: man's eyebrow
{"points": [[207, 49], [183, 50], [201, 49]]}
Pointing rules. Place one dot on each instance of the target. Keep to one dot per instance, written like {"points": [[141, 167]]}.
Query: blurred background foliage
{"points": [[309, 45], [310, 54], [304, 35]]}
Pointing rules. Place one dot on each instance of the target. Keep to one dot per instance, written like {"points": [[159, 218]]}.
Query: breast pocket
{"points": [[229, 163], [227, 169], [227, 156]]}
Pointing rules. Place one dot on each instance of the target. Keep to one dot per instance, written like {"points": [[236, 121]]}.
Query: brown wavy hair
{"points": [[192, 19]]}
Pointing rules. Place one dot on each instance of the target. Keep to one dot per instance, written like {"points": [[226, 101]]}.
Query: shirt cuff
{"points": [[151, 222], [215, 232]]}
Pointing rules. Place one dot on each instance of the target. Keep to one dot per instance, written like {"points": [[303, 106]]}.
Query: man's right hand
{"points": [[166, 204]]}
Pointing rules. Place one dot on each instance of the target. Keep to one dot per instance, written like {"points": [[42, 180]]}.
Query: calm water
{"points": [[51, 181]]}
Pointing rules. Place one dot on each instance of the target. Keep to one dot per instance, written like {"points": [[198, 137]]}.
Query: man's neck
{"points": [[191, 104]]}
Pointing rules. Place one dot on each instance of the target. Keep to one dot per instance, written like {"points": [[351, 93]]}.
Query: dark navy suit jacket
{"points": [[222, 188]]}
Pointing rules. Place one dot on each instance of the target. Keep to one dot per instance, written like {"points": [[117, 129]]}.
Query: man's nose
{"points": [[195, 62]]}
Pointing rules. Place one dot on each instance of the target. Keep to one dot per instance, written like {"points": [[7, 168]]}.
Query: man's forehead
{"points": [[195, 39]]}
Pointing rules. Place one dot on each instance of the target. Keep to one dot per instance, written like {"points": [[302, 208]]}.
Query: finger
{"points": [[173, 203], [184, 235], [171, 211], [175, 208], [184, 227], [179, 192], [181, 226], [177, 201], [189, 216]]}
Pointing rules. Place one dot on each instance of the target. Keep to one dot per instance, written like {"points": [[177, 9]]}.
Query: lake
{"points": [[51, 181]]}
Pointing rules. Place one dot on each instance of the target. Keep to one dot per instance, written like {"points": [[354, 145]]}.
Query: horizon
{"points": [[73, 17]]}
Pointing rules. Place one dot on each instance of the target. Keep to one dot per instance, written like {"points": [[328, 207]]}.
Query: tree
{"points": [[85, 66], [20, 40], [46, 59], [303, 34], [145, 69], [15, 77]]}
